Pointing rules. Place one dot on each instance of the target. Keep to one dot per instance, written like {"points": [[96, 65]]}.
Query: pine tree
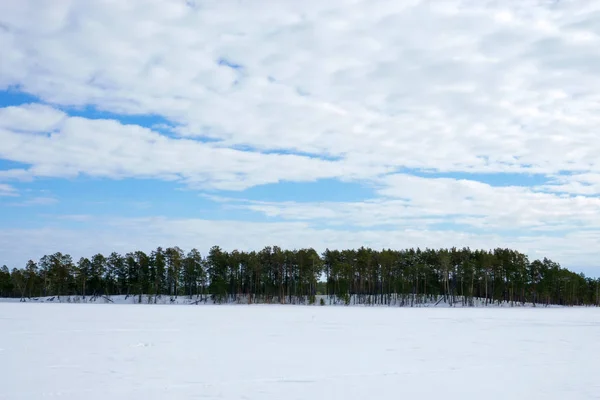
{"points": [[6, 284], [365, 276]]}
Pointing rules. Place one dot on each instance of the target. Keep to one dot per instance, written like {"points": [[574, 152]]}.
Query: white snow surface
{"points": [[273, 352]]}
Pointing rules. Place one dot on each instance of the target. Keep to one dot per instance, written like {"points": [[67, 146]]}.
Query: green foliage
{"points": [[364, 276], [6, 284]]}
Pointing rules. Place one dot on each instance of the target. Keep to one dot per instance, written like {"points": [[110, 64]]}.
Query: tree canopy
{"points": [[274, 275]]}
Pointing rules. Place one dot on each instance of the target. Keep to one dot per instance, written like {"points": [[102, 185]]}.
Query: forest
{"points": [[272, 275]]}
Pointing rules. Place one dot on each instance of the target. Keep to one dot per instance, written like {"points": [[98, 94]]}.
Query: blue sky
{"points": [[140, 126]]}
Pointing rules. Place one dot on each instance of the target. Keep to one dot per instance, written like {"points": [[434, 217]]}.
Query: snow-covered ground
{"points": [[354, 300], [270, 352]]}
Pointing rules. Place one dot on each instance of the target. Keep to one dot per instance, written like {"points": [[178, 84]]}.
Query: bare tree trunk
{"points": [[417, 290], [425, 286], [486, 288], [472, 285], [448, 286]]}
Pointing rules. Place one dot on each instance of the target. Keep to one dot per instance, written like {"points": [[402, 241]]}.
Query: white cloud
{"points": [[146, 234], [36, 201], [582, 184], [367, 88], [106, 148], [454, 86], [30, 118], [416, 202], [7, 190]]}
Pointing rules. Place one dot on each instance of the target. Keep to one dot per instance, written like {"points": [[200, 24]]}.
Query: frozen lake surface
{"points": [[97, 351]]}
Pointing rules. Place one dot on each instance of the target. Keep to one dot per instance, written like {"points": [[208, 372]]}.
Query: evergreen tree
{"points": [[6, 284], [82, 273], [365, 276]]}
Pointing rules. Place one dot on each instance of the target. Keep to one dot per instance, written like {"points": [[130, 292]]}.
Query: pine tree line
{"points": [[273, 275]]}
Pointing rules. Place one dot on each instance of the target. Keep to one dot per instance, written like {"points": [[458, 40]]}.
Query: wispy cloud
{"points": [[128, 234], [7, 190], [76, 217], [35, 201], [405, 200]]}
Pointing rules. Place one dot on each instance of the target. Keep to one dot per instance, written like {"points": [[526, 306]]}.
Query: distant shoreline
{"points": [[328, 301]]}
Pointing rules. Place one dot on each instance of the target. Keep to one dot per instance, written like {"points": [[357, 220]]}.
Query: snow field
{"points": [[270, 352]]}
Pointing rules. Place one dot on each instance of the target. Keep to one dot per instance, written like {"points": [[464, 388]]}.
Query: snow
{"points": [[407, 300], [272, 352]]}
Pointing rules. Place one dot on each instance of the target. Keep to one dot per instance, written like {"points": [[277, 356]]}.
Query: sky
{"points": [[129, 125]]}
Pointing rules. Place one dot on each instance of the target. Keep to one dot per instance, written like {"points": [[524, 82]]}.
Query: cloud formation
{"points": [[129, 234], [361, 91], [7, 190], [411, 201], [477, 86], [42, 137]]}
